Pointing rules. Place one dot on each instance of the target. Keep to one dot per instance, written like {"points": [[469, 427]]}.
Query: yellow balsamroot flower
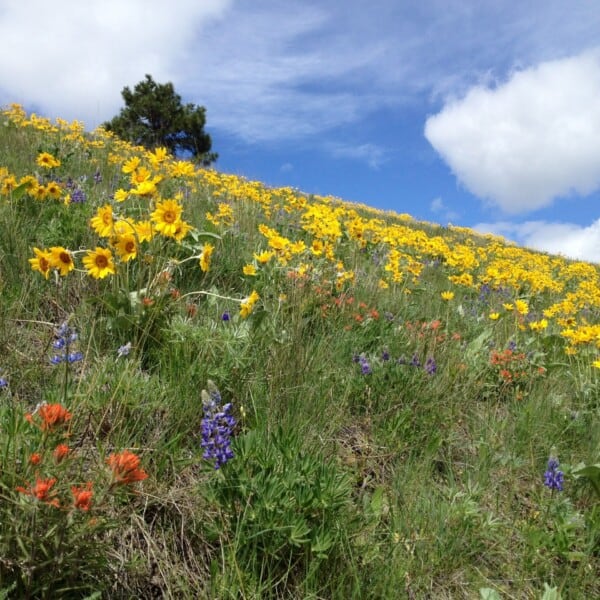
{"points": [[140, 175], [508, 306], [47, 161], [103, 223], [158, 156], [53, 190], [182, 230], [522, 307], [538, 325], [39, 192], [247, 305], [129, 166], [249, 270], [121, 195], [383, 284], [207, 251], [144, 231], [41, 262], [494, 316], [447, 295], [596, 364], [264, 257], [126, 247], [166, 216], [99, 263], [61, 259]]}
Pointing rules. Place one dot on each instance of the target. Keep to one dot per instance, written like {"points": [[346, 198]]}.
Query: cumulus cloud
{"points": [[71, 59], [529, 140], [567, 239]]}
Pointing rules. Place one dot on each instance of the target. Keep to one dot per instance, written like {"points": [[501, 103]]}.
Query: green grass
{"points": [[346, 482]]}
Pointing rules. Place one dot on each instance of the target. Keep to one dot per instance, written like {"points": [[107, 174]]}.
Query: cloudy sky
{"points": [[482, 114]]}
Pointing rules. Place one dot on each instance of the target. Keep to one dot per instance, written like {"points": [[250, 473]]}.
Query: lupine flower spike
{"points": [[217, 427]]}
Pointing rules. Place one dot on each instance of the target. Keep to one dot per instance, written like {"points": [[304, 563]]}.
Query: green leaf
{"points": [[488, 594], [550, 593], [18, 192]]}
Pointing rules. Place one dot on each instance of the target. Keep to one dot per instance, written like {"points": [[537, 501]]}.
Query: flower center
{"points": [[101, 261]]}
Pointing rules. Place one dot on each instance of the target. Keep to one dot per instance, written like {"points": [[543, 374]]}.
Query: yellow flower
{"points": [[99, 263], [131, 165], [182, 230], [383, 284], [494, 316], [121, 195], [508, 306], [61, 259], [41, 262], [447, 295], [126, 247], [103, 222], [247, 305], [47, 161], [144, 230], [207, 251], [596, 364], [249, 270], [166, 216], [522, 307], [53, 190], [264, 257], [538, 325]]}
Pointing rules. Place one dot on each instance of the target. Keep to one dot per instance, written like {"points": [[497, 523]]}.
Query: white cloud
{"points": [[567, 239], [70, 59], [438, 207], [371, 154], [529, 140]]}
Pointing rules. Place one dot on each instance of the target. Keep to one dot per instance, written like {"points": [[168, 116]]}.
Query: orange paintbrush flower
{"points": [[125, 467], [82, 496], [53, 415]]}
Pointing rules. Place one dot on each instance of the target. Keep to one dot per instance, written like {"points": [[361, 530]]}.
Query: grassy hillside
{"points": [[213, 389]]}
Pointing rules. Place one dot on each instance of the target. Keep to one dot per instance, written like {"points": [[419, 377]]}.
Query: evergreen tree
{"points": [[155, 116]]}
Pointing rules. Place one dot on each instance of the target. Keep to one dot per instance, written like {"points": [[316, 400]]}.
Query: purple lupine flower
{"points": [[430, 366], [512, 345], [124, 350], [97, 176], [225, 316], [553, 477], [365, 367], [385, 355], [64, 339], [217, 427], [78, 196], [415, 361], [3, 383]]}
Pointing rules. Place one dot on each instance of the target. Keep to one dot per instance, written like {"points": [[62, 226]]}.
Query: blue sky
{"points": [[482, 114]]}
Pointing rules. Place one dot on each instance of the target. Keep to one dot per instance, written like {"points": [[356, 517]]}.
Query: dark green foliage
{"points": [[154, 116]]}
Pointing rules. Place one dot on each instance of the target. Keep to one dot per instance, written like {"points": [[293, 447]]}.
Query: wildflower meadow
{"points": [[210, 388]]}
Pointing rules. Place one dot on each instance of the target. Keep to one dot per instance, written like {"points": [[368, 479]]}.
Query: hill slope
{"points": [[215, 389]]}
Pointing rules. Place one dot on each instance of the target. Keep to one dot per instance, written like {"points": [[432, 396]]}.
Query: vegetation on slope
{"points": [[210, 388]]}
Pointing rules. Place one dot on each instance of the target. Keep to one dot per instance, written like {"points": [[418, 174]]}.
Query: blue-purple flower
{"points": [[430, 366], [217, 427], [64, 340], [553, 477]]}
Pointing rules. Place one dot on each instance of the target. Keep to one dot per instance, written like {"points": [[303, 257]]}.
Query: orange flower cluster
{"points": [[125, 467], [50, 416], [513, 367], [42, 490]]}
